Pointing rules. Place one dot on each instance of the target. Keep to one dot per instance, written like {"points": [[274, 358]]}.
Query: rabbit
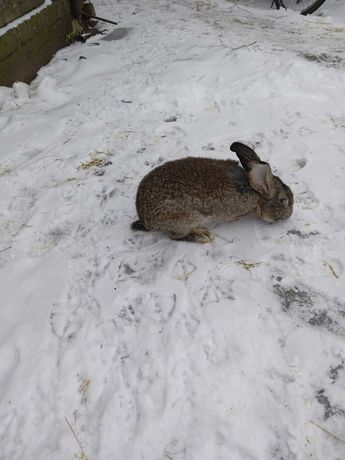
{"points": [[179, 197]]}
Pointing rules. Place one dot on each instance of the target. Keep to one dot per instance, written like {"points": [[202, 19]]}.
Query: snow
{"points": [[152, 348]]}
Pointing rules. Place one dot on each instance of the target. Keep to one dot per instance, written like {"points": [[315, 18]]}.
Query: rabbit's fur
{"points": [[181, 196]]}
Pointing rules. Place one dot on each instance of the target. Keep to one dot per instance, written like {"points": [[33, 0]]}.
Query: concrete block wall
{"points": [[30, 45], [13, 9]]}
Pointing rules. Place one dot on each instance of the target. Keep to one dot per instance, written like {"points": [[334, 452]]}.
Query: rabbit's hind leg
{"points": [[178, 235], [196, 235], [201, 235], [185, 225]]}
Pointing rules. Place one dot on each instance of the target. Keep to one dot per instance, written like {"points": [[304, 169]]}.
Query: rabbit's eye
{"points": [[283, 201]]}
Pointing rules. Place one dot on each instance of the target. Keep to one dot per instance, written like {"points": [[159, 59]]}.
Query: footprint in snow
{"points": [[144, 267], [298, 164], [139, 241], [183, 269], [155, 309], [306, 200]]}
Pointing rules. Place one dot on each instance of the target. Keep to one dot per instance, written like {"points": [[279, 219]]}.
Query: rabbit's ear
{"points": [[261, 178], [245, 154], [259, 173]]}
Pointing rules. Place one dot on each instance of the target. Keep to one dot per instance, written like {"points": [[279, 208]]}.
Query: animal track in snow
{"points": [[306, 200], [183, 269], [299, 164]]}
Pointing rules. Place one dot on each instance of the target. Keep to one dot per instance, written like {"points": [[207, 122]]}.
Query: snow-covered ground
{"points": [[138, 347]]}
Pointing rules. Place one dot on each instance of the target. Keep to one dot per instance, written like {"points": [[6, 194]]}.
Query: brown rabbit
{"points": [[181, 196]]}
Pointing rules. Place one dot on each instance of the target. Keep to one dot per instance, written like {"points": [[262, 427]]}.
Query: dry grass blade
{"points": [[248, 265], [92, 163], [83, 455], [5, 170], [2, 250], [329, 266], [328, 432], [84, 386], [244, 46], [96, 159]]}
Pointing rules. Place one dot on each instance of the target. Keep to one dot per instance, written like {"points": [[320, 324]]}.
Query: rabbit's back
{"points": [[213, 188]]}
